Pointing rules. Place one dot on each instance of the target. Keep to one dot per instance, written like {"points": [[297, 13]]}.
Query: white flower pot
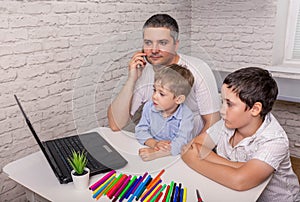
{"points": [[81, 181]]}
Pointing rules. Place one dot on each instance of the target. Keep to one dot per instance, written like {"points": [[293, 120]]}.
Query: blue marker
{"points": [[102, 188], [181, 195], [175, 195], [132, 187]]}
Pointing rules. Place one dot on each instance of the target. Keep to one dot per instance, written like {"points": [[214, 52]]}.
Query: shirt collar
{"points": [[247, 140], [176, 115]]}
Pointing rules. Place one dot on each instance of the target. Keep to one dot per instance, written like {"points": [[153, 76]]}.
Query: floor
{"points": [[296, 166]]}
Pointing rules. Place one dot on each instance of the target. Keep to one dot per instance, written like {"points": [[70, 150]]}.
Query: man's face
{"points": [[159, 46]]}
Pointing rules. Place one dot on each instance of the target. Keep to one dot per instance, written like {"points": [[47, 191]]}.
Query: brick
{"points": [[53, 20], [40, 58], [69, 31], [42, 33], [64, 8], [8, 76], [3, 21], [78, 19], [24, 21], [53, 44], [36, 8], [295, 123], [63, 56], [47, 103], [62, 87], [28, 47], [88, 8], [31, 71]]}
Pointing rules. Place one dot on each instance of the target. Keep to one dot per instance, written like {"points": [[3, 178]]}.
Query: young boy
{"points": [[250, 143], [167, 123]]}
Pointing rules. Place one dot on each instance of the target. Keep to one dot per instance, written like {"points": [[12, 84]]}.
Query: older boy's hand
{"points": [[190, 153]]}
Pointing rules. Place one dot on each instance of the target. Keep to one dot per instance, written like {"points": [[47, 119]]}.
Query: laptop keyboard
{"points": [[64, 148]]}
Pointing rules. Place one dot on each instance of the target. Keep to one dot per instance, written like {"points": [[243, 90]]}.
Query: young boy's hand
{"points": [[163, 145]]}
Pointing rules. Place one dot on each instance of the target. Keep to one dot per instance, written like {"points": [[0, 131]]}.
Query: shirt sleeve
{"points": [[205, 88], [143, 89], [271, 151], [206, 91], [185, 131], [142, 129]]}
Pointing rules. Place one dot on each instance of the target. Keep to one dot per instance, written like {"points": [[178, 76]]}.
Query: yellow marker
{"points": [[102, 192], [96, 190], [152, 193], [184, 194]]}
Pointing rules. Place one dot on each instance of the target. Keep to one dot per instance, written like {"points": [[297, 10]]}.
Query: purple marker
{"points": [[132, 187], [138, 184]]}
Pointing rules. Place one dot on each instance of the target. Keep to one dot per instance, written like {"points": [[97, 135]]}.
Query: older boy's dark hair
{"points": [[177, 78], [163, 20], [253, 84]]}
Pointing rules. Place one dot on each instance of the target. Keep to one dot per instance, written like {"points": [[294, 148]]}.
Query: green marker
{"points": [[156, 195], [127, 187], [113, 184], [170, 191]]}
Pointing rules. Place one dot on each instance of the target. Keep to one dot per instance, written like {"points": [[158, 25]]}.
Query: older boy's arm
{"points": [[242, 177]]}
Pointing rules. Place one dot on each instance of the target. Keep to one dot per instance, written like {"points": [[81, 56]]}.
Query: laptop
{"points": [[102, 157]]}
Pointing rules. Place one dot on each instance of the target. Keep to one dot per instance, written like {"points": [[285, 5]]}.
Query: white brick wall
{"points": [[241, 33], [55, 52]]}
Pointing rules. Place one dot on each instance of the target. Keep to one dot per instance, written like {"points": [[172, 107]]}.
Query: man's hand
{"points": [[136, 65]]}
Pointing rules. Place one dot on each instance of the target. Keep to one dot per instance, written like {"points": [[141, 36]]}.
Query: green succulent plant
{"points": [[78, 161]]}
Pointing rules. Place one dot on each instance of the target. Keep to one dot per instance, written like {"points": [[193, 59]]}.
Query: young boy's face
{"points": [[164, 100], [233, 109]]}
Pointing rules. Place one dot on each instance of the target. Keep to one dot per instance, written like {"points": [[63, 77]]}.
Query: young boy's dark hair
{"points": [[253, 84]]}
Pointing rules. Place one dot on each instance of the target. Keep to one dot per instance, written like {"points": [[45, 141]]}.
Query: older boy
{"points": [[167, 123], [250, 143]]}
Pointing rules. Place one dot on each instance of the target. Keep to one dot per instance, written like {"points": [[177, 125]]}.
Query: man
{"points": [[160, 33]]}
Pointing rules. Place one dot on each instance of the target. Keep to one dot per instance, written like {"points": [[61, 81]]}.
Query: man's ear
{"points": [[180, 99], [256, 109], [176, 45]]}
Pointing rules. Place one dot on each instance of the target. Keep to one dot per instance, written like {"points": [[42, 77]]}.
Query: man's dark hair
{"points": [[163, 20], [254, 84]]}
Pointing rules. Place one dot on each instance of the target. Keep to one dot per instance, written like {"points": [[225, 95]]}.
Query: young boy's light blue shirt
{"points": [[176, 128]]}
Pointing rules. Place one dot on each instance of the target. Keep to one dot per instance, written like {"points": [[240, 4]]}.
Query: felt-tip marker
{"points": [[198, 196]]}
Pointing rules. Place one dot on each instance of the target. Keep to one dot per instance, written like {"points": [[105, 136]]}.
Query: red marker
{"points": [[198, 196]]}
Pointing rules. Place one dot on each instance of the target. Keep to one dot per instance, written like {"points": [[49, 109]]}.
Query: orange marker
{"points": [[155, 179]]}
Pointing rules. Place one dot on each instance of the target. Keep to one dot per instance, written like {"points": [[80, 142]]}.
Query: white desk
{"points": [[34, 173]]}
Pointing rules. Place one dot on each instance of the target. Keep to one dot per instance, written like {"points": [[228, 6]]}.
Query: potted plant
{"points": [[80, 173]]}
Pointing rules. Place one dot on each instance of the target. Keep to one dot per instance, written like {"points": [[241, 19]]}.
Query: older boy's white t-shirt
{"points": [[203, 98], [270, 145]]}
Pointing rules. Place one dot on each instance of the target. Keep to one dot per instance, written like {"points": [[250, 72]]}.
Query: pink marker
{"points": [[102, 180]]}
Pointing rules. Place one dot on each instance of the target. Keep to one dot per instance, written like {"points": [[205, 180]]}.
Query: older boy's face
{"points": [[233, 110], [159, 46]]}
